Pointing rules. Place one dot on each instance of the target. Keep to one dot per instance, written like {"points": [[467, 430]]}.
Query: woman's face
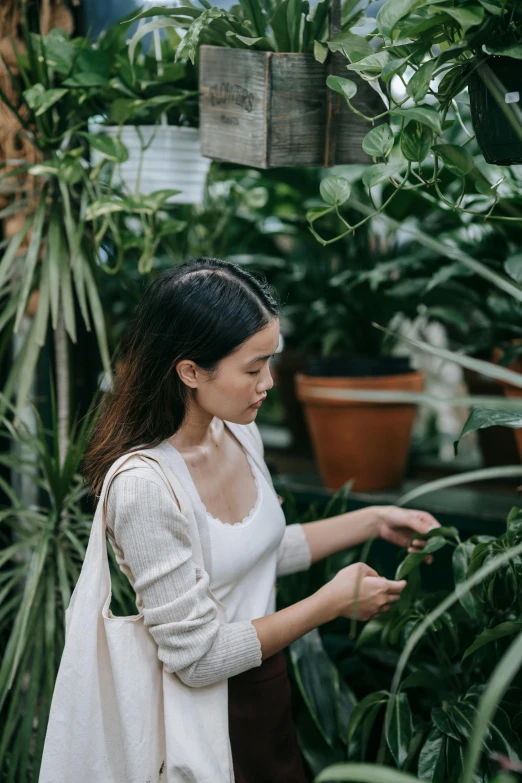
{"points": [[242, 379]]}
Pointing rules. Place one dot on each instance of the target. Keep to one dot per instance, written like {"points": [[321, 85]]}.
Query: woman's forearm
{"points": [[276, 631], [327, 536]]}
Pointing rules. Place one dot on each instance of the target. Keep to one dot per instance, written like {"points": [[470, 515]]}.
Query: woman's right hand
{"points": [[358, 591]]}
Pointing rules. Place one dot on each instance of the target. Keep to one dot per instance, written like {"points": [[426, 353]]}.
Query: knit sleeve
{"points": [[151, 540], [294, 553]]}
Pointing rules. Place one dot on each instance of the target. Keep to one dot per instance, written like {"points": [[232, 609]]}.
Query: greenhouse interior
{"points": [[260, 261]]}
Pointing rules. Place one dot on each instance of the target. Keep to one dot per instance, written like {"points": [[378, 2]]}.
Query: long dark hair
{"points": [[202, 310]]}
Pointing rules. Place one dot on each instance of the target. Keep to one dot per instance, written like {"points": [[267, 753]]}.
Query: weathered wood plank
{"points": [[233, 105], [264, 109]]}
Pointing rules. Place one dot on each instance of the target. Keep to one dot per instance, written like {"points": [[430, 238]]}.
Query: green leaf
{"points": [[279, 27], [353, 46], [381, 172], [392, 12], [379, 141], [443, 723], [513, 267], [320, 51], [399, 729], [456, 158], [466, 18], [393, 67], [432, 760], [414, 559], [346, 87], [335, 190], [39, 99], [373, 64], [425, 114], [416, 140], [460, 563], [317, 680], [362, 721], [364, 773], [509, 628], [30, 260], [481, 418], [419, 83], [503, 674], [108, 147], [254, 14]]}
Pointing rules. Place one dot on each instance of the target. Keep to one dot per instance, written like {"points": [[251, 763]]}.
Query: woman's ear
{"points": [[188, 373]]}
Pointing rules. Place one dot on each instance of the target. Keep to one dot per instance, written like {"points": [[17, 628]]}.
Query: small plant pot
{"points": [[368, 442], [171, 160], [496, 137]]}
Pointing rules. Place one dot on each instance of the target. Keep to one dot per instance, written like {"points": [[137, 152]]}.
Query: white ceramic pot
{"points": [[172, 161]]}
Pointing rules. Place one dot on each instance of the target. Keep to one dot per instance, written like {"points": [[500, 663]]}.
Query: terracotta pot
{"points": [[511, 391], [365, 441]]}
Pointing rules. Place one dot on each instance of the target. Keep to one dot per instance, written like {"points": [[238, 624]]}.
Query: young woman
{"points": [[193, 372]]}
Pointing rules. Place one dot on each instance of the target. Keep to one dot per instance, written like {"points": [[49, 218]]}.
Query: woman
{"points": [[193, 372]]}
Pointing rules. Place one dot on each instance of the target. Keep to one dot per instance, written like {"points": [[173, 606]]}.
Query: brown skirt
{"points": [[262, 733]]}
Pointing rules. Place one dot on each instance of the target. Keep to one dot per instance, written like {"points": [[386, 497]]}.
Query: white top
{"points": [[151, 540], [245, 555]]}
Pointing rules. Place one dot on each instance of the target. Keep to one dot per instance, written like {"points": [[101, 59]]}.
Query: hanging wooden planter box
{"points": [[498, 140], [264, 109]]}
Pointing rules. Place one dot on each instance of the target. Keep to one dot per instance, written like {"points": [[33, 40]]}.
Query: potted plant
{"points": [[331, 300], [263, 101], [426, 57], [151, 106]]}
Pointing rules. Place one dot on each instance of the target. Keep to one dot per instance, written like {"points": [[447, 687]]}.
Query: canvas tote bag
{"points": [[116, 716]]}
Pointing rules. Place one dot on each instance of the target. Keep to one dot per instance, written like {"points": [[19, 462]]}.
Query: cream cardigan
{"points": [[151, 541]]}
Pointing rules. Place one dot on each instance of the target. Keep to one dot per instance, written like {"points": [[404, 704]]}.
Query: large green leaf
{"points": [[364, 773], [481, 418], [415, 559], [509, 628], [381, 172], [379, 141], [346, 87], [108, 147], [416, 140], [432, 757], [362, 720], [399, 730], [335, 190], [506, 669], [419, 83], [456, 158], [392, 12], [460, 564], [39, 99], [317, 680], [426, 114], [466, 17]]}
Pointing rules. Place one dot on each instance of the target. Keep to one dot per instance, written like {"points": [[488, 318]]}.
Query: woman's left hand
{"points": [[397, 525]]}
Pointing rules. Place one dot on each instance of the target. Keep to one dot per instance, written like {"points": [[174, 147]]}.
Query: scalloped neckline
{"points": [[253, 511]]}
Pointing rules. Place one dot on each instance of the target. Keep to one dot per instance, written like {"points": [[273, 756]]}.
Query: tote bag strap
{"points": [[95, 567]]}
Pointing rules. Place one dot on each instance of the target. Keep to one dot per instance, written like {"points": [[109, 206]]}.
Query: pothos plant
{"points": [[422, 54]]}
